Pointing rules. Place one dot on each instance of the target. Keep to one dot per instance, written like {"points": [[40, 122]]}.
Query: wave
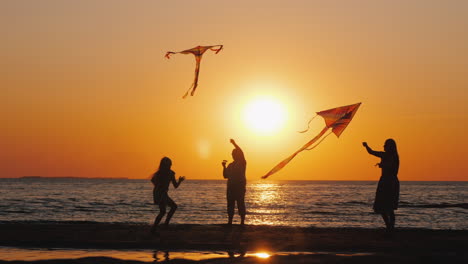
{"points": [[340, 203], [13, 211], [436, 205], [55, 222], [356, 202], [267, 213], [326, 213]]}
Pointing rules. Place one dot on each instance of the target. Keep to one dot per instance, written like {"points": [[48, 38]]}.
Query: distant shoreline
{"points": [[69, 177], [138, 179]]}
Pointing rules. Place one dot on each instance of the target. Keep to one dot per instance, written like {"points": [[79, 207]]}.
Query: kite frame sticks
{"points": [[336, 119], [198, 53]]}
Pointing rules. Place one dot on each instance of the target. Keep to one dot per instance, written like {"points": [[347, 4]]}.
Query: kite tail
{"points": [[195, 82], [194, 85], [308, 125], [288, 159], [319, 141], [280, 165], [186, 93]]}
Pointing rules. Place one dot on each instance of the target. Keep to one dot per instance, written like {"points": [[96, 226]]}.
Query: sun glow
{"points": [[264, 115], [262, 255]]}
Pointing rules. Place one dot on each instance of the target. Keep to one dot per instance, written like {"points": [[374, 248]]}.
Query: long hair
{"points": [[164, 165], [391, 148]]}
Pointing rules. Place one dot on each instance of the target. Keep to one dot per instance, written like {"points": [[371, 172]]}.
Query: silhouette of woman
{"points": [[161, 180], [388, 189], [236, 181]]}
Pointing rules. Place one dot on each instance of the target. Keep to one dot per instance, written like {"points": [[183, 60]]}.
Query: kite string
{"points": [[308, 125], [331, 131]]}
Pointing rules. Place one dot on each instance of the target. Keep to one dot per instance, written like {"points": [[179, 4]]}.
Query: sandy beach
{"points": [[346, 244]]}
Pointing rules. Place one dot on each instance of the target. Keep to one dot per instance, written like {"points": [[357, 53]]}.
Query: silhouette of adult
{"points": [[388, 189], [236, 181], [161, 180]]}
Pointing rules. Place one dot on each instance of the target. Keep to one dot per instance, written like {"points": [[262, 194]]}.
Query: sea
{"points": [[321, 204]]}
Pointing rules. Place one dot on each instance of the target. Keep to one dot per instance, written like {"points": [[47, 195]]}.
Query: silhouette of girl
{"points": [[388, 189], [161, 180], [236, 181]]}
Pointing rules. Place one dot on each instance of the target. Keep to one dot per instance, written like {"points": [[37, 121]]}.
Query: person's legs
{"points": [[162, 212], [241, 208], [173, 207], [230, 208], [392, 220], [386, 220]]}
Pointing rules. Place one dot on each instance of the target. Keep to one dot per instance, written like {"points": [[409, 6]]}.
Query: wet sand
{"points": [[402, 246]]}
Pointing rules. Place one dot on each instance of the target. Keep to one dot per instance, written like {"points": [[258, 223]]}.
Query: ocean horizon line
{"points": [[201, 179]]}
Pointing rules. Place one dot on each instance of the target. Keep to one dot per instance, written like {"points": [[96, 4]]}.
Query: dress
{"points": [[388, 189], [161, 181]]}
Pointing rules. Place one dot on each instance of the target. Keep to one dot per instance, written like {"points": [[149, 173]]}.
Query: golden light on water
{"points": [[267, 193], [266, 196]]}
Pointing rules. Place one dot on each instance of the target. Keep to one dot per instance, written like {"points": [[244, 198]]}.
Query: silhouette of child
{"points": [[236, 181], [161, 180], [388, 189]]}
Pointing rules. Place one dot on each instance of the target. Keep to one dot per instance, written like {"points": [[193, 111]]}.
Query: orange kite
{"points": [[336, 118], [198, 53]]}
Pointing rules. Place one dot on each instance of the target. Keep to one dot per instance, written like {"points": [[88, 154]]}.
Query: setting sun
{"points": [[264, 115]]}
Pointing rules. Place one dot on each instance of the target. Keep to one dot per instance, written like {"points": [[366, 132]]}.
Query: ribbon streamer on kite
{"points": [[336, 118], [198, 53]]}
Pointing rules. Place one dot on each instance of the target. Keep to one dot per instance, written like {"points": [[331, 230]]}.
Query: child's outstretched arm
{"points": [[225, 174], [371, 151], [234, 143], [177, 183], [238, 148]]}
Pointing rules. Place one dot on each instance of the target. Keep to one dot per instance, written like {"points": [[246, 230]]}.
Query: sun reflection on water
{"points": [[268, 200], [266, 193], [262, 255]]}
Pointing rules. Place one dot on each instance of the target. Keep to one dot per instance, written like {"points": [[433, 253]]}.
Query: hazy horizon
{"points": [[202, 179]]}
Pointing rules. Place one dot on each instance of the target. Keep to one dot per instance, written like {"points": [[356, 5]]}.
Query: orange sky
{"points": [[87, 91]]}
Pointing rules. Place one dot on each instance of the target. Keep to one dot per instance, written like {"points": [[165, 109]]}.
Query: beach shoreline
{"points": [[403, 243], [202, 237]]}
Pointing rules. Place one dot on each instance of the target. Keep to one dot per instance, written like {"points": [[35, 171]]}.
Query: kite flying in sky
{"points": [[336, 118], [198, 53]]}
